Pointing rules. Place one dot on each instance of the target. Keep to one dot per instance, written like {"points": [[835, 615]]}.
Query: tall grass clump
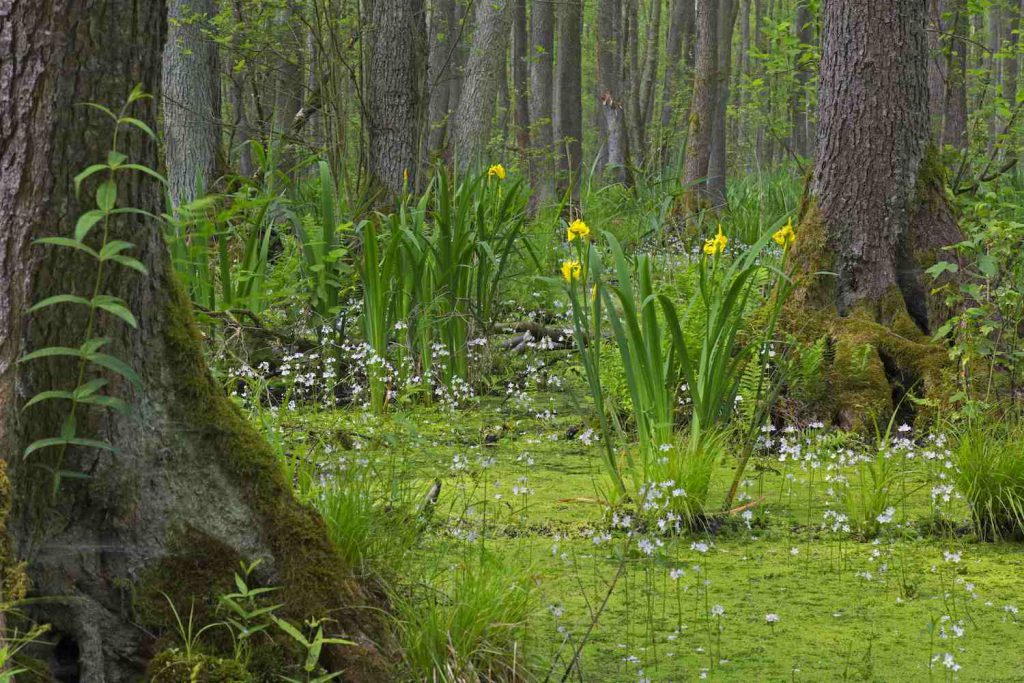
{"points": [[471, 624], [989, 474]]}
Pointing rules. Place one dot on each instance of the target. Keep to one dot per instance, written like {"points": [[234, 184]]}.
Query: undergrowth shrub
{"points": [[989, 474], [469, 624]]}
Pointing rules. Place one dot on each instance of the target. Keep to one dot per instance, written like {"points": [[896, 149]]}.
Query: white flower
{"points": [[886, 516], [676, 574], [772, 618], [794, 551], [699, 546], [951, 556], [717, 611]]}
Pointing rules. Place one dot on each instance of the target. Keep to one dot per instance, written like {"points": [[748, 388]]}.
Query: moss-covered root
{"points": [[879, 354]]}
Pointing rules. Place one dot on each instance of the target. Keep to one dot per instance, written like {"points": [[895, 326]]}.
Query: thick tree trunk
{"points": [[877, 213], [542, 153], [471, 129], [718, 157], [702, 110], [631, 72], [444, 33], [242, 134], [569, 135], [191, 489], [191, 86], [395, 95], [521, 78], [680, 31]]}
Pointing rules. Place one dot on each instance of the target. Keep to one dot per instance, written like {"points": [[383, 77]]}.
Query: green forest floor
{"points": [[889, 609]]}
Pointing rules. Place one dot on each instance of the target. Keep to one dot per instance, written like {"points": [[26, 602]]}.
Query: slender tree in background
{"points": [[521, 77], [1011, 72], [471, 129], [803, 128], [702, 110], [681, 27], [191, 489], [947, 70], [877, 212], [239, 95], [649, 77], [569, 128], [191, 99], [541, 60], [444, 34], [610, 89], [717, 158], [395, 94]]}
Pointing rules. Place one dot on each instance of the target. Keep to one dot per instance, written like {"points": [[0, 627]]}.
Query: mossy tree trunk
{"points": [[191, 489], [877, 213]]}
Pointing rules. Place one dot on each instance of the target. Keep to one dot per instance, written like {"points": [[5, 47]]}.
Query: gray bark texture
{"points": [[610, 89], [192, 489], [191, 100], [702, 109], [542, 51], [569, 107], [680, 30], [395, 95], [443, 34], [650, 71], [718, 156], [521, 77], [882, 206], [471, 129]]}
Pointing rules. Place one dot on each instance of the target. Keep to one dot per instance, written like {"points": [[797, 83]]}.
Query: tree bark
{"points": [[191, 86], [570, 105], [444, 34], [680, 32], [718, 156], [542, 41], [395, 95], [650, 72], [610, 89], [471, 130], [191, 489], [702, 110], [877, 212], [1011, 72], [521, 78]]}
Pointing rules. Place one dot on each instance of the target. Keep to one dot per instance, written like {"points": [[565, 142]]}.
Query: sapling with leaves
{"points": [[107, 253]]}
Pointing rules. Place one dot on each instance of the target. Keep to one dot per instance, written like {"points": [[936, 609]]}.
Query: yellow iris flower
{"points": [[571, 270], [578, 229], [716, 245], [496, 171], [785, 235]]}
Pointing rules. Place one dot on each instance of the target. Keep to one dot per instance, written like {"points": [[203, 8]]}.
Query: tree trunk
{"points": [[192, 489], [631, 73], [947, 70], [570, 105], [877, 212], [444, 36], [650, 73], [995, 27], [191, 86], [542, 49], [471, 130], [242, 133], [803, 133], [680, 31], [521, 78], [610, 89], [702, 111], [1011, 72], [718, 158], [395, 95]]}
